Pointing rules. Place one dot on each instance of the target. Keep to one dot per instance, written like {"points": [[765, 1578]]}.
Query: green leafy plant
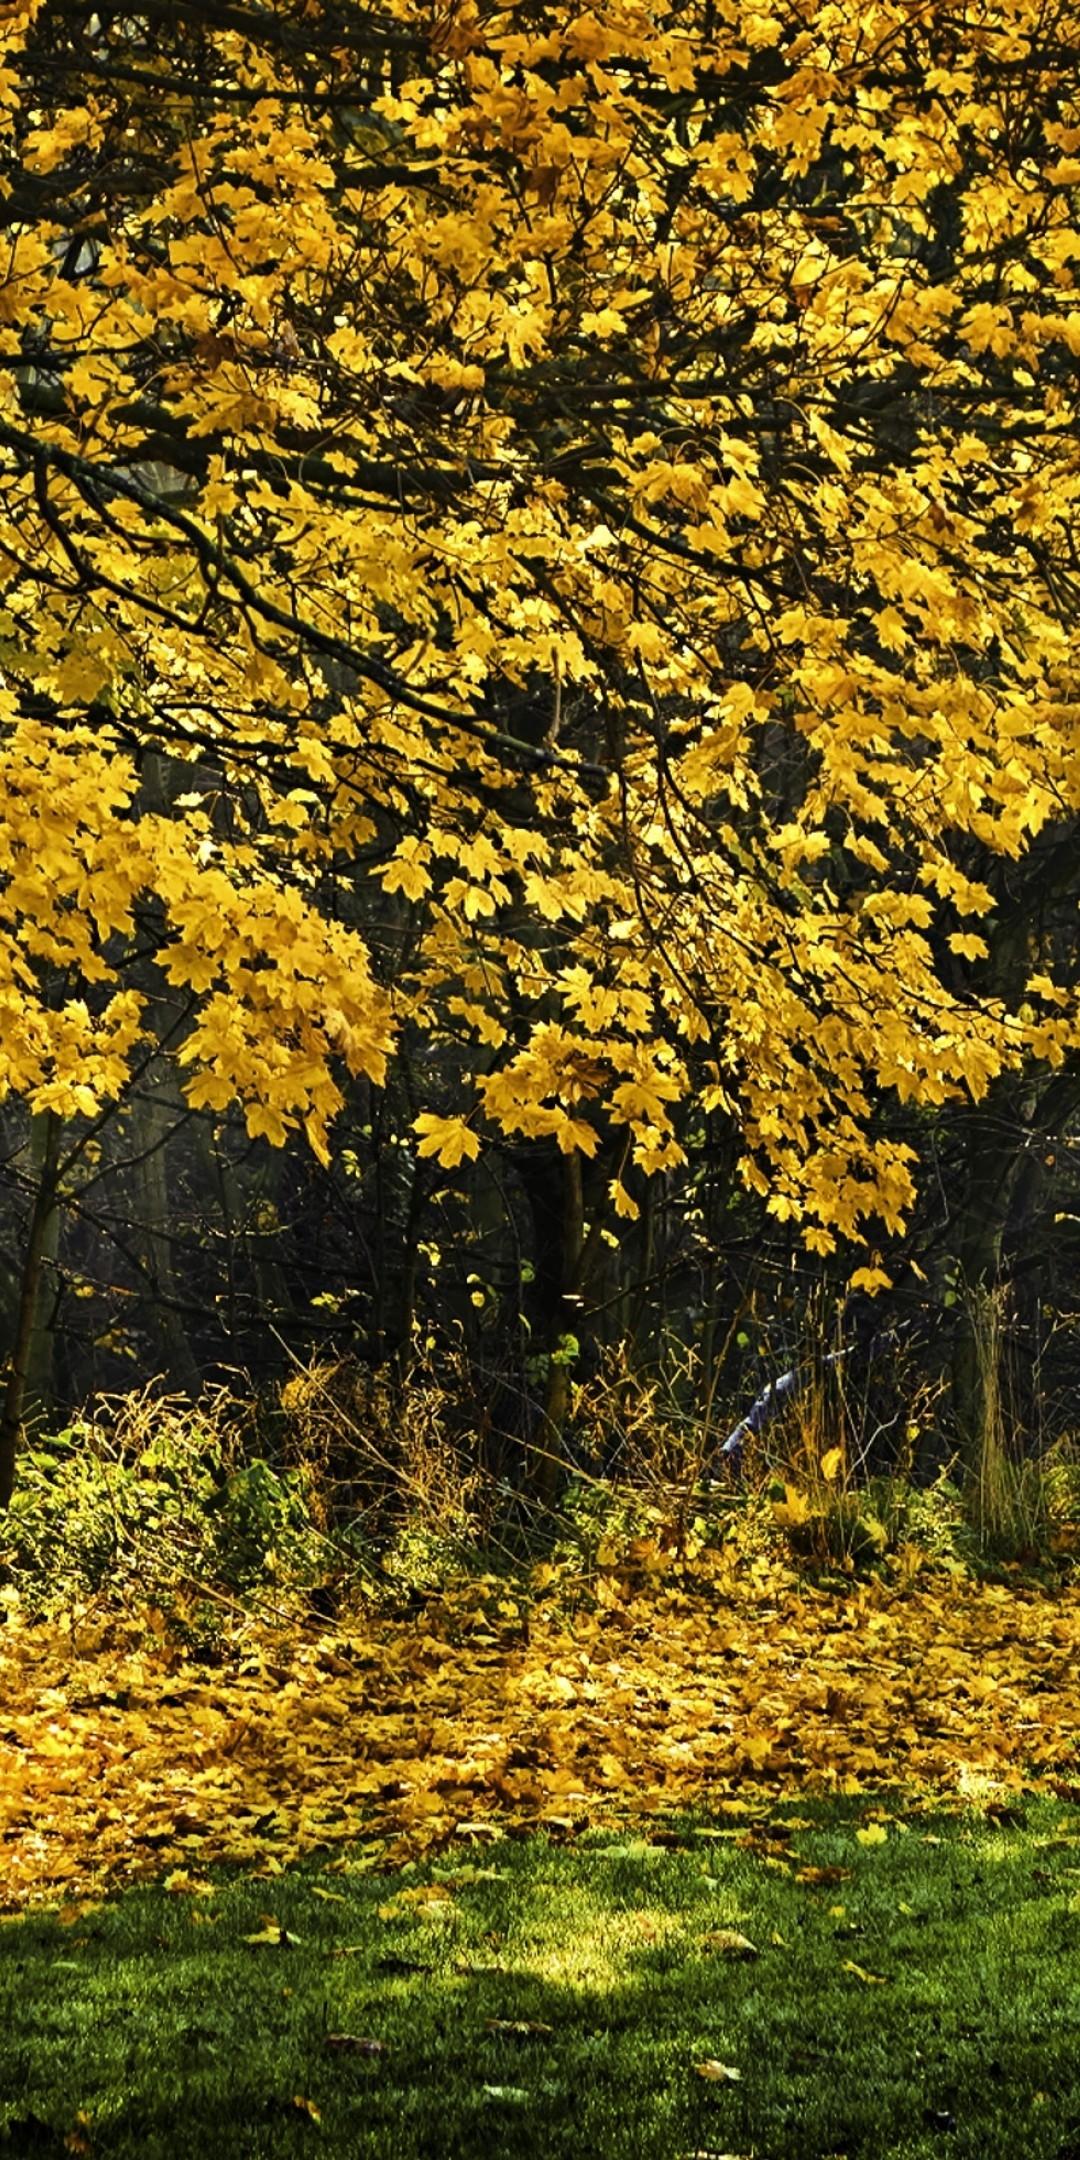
{"points": [[156, 1502]]}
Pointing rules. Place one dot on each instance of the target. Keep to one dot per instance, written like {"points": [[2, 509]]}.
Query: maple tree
{"points": [[547, 531]]}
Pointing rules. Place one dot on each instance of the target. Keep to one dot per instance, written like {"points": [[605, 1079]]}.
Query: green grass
{"points": [[178, 2039]]}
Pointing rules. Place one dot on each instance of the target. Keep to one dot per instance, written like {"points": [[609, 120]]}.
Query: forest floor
{"points": [[499, 1843], [496, 1708]]}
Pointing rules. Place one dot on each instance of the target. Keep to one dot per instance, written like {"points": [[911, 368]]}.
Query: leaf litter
{"points": [[122, 1756]]}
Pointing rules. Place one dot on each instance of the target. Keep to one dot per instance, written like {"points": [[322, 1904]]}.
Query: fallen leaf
{"points": [[306, 2107], [428, 1901], [870, 1979], [728, 1943], [518, 2028], [273, 1935], [353, 2044], [873, 1833], [718, 2073], [516, 2094], [181, 1883], [269, 1933], [640, 1848], [815, 1876]]}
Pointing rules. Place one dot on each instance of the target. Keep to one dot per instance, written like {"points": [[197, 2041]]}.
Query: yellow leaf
{"points": [[407, 870], [576, 1136], [874, 1833], [729, 1943], [450, 1139], [832, 1463], [273, 1935], [184, 1884], [793, 1510], [427, 1901]]}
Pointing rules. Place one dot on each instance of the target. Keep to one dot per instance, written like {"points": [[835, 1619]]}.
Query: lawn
{"points": [[909, 1984]]}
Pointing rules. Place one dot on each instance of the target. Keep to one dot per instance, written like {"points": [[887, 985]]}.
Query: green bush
{"points": [[261, 1528], [159, 1510], [599, 1516]]}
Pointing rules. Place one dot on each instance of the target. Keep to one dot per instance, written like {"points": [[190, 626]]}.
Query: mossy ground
{"points": [[925, 2001]]}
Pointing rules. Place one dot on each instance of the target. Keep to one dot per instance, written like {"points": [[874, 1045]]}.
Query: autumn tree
{"points": [[579, 504]]}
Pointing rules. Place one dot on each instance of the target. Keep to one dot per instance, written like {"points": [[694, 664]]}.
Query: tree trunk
{"points": [[993, 1158], [154, 1116], [549, 1452], [27, 1349], [40, 1364]]}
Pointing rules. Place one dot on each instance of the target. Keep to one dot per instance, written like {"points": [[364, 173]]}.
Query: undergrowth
{"points": [[364, 1489]]}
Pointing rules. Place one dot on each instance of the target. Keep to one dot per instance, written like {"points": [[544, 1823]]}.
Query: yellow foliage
{"points": [[793, 1510], [433, 513], [448, 1139]]}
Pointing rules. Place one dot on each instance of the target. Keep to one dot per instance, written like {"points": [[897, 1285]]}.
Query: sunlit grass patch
{"points": [[826, 1978]]}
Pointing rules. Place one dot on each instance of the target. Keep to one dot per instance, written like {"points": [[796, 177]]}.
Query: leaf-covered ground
{"points": [[121, 1756], [821, 1980]]}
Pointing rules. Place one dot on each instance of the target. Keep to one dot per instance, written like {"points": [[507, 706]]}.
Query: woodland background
{"points": [[186, 1252]]}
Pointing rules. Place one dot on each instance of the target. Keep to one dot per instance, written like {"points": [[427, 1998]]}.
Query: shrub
{"points": [[395, 1461], [151, 1502]]}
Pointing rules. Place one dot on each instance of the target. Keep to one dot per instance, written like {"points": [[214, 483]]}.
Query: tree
{"points": [[585, 500]]}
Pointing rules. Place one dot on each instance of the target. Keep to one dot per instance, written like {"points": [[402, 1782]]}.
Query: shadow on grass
{"points": [[912, 1993]]}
